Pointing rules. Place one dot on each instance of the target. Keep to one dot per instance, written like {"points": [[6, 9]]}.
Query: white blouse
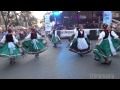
{"points": [[75, 30], [76, 34], [29, 36], [102, 35]]}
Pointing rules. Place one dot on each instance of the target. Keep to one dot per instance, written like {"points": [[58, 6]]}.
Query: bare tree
{"points": [[16, 17], [6, 17]]}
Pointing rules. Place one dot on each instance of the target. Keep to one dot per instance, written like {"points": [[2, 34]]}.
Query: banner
{"points": [[68, 33], [48, 26], [107, 17]]}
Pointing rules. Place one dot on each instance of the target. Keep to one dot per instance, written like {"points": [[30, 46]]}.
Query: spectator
{"points": [[4, 33], [94, 25], [87, 25]]}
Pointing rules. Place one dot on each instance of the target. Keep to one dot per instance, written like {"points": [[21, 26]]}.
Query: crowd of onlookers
{"points": [[19, 33]]}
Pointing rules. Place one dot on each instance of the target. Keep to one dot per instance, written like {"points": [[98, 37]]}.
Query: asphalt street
{"points": [[59, 63]]}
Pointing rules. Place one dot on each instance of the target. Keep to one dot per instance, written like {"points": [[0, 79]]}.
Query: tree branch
{"points": [[2, 13]]}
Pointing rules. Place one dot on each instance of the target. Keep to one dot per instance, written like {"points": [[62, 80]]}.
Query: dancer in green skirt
{"points": [[9, 47], [72, 37], [33, 43], [115, 41], [55, 38], [80, 44], [108, 43]]}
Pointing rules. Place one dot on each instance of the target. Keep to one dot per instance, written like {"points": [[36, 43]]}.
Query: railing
{"points": [[116, 20], [91, 33], [68, 33]]}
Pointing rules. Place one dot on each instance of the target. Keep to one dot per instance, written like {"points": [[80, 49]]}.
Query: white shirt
{"points": [[76, 34], [29, 36], [75, 30], [102, 35]]}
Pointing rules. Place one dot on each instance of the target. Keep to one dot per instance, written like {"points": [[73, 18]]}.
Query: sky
{"points": [[37, 14]]}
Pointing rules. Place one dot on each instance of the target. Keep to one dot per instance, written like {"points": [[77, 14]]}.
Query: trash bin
{"points": [[93, 35]]}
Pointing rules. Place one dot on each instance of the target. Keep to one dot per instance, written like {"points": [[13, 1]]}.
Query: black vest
{"points": [[107, 34], [111, 34], [9, 38], [33, 35], [80, 35]]}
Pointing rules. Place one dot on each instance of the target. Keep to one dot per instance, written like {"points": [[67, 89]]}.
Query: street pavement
{"points": [[59, 63]]}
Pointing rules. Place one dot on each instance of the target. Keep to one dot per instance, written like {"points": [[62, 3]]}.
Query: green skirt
{"points": [[29, 47], [102, 51], [5, 51], [75, 49], [55, 40], [116, 44]]}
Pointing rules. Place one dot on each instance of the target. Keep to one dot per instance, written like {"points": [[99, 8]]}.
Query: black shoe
{"points": [[11, 61], [104, 63], [55, 46], [37, 55], [23, 53], [96, 59], [109, 63], [14, 60]]}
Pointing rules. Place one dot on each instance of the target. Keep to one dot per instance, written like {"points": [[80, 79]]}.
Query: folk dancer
{"points": [[108, 43], [80, 44], [55, 39], [10, 47], [33, 43]]}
